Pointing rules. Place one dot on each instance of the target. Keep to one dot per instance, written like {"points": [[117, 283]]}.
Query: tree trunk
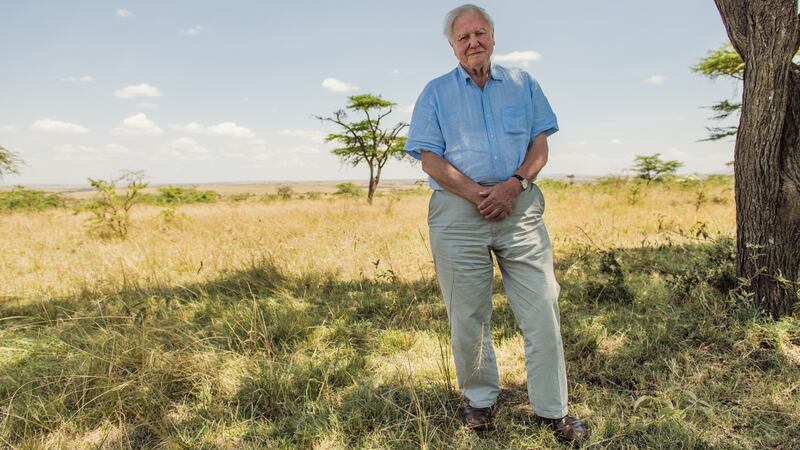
{"points": [[372, 184], [766, 33]]}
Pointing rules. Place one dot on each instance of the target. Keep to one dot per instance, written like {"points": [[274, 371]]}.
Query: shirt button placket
{"points": [[489, 123]]}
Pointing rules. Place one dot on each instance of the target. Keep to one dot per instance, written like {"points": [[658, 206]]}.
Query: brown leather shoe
{"points": [[567, 428], [478, 419]]}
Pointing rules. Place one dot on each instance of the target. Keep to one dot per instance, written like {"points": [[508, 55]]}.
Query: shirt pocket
{"points": [[514, 120]]}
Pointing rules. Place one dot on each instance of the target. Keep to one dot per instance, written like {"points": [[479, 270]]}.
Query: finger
{"points": [[487, 206], [494, 214]]}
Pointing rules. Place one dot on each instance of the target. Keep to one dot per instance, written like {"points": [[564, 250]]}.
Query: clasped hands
{"points": [[498, 200]]}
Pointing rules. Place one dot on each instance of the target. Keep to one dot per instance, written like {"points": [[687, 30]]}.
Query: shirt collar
{"points": [[495, 73]]}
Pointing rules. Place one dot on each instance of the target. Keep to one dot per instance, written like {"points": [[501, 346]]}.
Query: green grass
{"points": [[318, 323], [261, 359]]}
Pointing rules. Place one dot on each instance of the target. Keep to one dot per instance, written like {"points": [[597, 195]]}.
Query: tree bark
{"points": [[766, 33], [372, 184]]}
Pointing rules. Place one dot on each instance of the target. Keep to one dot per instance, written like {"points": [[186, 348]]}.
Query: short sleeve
{"points": [[544, 120], [425, 132]]}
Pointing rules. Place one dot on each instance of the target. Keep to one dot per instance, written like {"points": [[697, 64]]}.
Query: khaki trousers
{"points": [[463, 242]]}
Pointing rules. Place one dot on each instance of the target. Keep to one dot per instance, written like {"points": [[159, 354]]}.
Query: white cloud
{"points": [[580, 143], [8, 129], [230, 129], [123, 13], [263, 156], [408, 109], [192, 31], [312, 135], [117, 149], [257, 142], [138, 125], [193, 127], [615, 141], [655, 79], [338, 86], [81, 79], [70, 152], [55, 126], [148, 105], [137, 90], [185, 149], [518, 58], [303, 149]]}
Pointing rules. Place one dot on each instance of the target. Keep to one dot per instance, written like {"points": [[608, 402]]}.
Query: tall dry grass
{"points": [[318, 324]]}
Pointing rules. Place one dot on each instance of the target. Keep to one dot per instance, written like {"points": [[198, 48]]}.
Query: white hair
{"points": [[451, 17]]}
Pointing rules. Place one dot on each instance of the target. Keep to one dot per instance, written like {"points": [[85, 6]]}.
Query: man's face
{"points": [[472, 40]]}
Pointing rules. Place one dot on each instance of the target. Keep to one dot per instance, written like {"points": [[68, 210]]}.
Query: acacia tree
{"points": [[364, 141], [8, 162], [652, 167], [766, 34]]}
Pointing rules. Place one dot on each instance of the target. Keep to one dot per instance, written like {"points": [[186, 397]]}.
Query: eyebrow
{"points": [[459, 36]]}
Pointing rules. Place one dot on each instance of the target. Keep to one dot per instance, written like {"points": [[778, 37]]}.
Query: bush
{"points": [[285, 192], [21, 199], [349, 190], [550, 184], [109, 210], [173, 195]]}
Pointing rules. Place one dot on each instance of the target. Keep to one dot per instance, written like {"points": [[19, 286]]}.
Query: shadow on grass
{"points": [[655, 349]]}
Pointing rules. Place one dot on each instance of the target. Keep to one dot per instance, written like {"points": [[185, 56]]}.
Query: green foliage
{"points": [[652, 167], [553, 184], [265, 358], [21, 199], [9, 163], [366, 141], [723, 62], [349, 190], [174, 195], [610, 285], [110, 211], [285, 192]]}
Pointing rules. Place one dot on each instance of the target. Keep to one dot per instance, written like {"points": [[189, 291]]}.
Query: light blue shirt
{"points": [[482, 133]]}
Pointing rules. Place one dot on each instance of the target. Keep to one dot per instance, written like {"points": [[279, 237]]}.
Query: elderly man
{"points": [[481, 133]]}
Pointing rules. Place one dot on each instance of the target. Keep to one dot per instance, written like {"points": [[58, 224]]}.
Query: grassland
{"points": [[317, 323]]}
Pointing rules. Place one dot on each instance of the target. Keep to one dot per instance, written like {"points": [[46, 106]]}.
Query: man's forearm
{"points": [[450, 178], [535, 158]]}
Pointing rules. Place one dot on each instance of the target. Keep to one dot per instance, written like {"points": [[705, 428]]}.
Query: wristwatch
{"points": [[522, 181]]}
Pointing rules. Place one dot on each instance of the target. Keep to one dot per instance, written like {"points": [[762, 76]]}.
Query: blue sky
{"points": [[209, 91]]}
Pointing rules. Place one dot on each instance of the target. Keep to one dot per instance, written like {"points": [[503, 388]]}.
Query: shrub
{"points": [[109, 210], [349, 190], [552, 184], [173, 195], [21, 199], [285, 192]]}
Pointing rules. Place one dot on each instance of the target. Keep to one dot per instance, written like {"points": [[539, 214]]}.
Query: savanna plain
{"points": [[315, 321]]}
